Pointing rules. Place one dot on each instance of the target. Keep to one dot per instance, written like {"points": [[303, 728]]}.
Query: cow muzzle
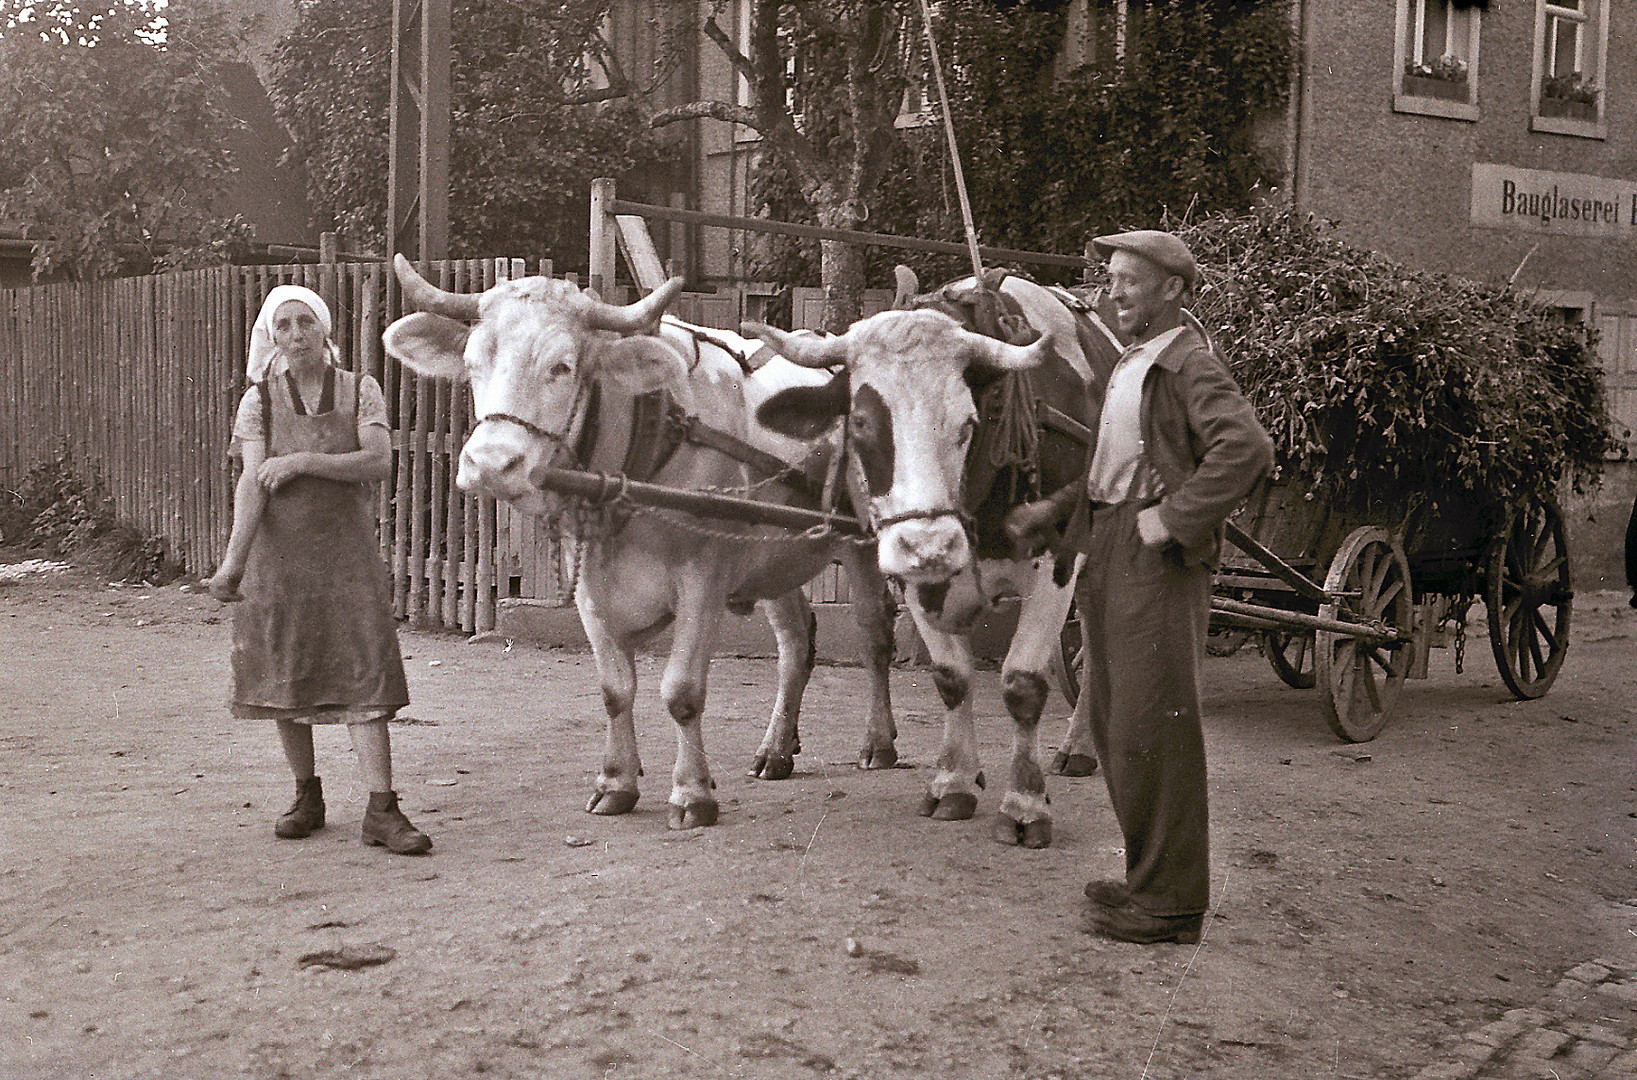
{"points": [[494, 462], [924, 548]]}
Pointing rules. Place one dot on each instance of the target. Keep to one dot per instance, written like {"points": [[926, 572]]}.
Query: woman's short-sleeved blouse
{"points": [[247, 425]]}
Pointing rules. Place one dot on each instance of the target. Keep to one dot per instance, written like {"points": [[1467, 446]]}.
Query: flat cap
{"points": [[1162, 248]]}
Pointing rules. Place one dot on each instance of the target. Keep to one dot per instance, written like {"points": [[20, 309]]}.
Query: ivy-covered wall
{"points": [[1171, 122]]}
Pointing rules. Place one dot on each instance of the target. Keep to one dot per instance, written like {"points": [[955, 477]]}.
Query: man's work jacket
{"points": [[1201, 436]]}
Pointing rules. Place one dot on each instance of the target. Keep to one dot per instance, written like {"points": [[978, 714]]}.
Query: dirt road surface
{"points": [[1374, 905]]}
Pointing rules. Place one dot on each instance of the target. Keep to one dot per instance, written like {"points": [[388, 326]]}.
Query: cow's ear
{"points": [[429, 344], [640, 364], [806, 412]]}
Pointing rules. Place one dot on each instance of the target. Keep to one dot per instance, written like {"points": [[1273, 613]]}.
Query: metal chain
{"points": [[686, 522], [1457, 613], [586, 514], [589, 522]]}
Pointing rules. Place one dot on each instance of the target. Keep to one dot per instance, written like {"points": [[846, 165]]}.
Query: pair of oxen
{"points": [[894, 420]]}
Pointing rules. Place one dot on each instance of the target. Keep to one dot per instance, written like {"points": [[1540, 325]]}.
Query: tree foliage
{"points": [[1051, 157], [825, 80], [113, 140], [1381, 384], [526, 142]]}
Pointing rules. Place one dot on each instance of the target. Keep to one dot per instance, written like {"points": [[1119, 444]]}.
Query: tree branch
{"points": [[591, 97], [713, 110], [741, 63], [817, 20]]}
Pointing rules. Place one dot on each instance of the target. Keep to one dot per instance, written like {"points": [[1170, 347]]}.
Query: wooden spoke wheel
{"points": [[1290, 652], [1361, 678], [1065, 663], [1529, 592]]}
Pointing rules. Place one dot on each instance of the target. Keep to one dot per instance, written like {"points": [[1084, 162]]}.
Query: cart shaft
{"points": [[1285, 618]]}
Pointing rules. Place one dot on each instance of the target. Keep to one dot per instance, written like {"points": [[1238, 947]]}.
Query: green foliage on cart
{"points": [[1386, 385]]}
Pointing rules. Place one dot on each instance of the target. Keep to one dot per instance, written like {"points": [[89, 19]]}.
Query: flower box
{"points": [[1570, 110], [1426, 86]]}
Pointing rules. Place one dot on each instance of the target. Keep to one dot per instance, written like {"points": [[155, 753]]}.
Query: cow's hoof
{"points": [[1065, 764], [956, 806], [1032, 834], [609, 803], [878, 757], [773, 767], [693, 816]]}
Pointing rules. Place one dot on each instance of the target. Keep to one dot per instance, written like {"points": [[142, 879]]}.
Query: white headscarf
{"points": [[265, 358]]}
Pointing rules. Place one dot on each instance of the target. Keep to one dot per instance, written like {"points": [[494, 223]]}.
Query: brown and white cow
{"points": [[911, 416], [556, 377]]}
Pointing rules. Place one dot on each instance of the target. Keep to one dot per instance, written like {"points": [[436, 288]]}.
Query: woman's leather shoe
{"points": [[306, 814], [385, 826]]}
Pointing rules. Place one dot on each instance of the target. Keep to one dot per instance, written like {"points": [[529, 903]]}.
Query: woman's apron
{"points": [[314, 636]]}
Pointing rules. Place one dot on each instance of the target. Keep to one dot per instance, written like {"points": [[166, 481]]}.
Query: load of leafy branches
{"points": [[1386, 385]]}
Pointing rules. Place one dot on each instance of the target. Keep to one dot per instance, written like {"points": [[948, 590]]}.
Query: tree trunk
{"points": [[841, 268]]}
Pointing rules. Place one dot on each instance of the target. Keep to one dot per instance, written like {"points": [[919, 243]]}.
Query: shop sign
{"points": [[1566, 204]]}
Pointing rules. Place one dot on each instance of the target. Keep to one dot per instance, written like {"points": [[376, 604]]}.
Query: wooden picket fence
{"points": [[137, 381]]}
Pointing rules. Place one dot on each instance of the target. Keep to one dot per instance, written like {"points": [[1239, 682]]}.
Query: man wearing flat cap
{"points": [[1178, 449]]}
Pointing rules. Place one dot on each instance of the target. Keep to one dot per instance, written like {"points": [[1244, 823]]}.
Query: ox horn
{"points": [[632, 317], [808, 350], [428, 297], [1008, 357], [906, 285]]}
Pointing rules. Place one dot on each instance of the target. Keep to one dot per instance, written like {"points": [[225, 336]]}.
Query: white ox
{"points": [[555, 375], [911, 417]]}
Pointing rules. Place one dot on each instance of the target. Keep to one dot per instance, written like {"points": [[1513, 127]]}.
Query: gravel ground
{"points": [[1374, 904]]}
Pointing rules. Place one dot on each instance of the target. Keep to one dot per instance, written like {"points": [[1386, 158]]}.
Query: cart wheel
{"points": [[1065, 663], [1529, 592], [1290, 652], [1360, 680], [1226, 642]]}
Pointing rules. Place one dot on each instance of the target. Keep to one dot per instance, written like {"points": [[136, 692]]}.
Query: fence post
{"points": [[600, 276]]}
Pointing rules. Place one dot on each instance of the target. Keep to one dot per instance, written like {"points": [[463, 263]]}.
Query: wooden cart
{"points": [[1358, 636], [1383, 603]]}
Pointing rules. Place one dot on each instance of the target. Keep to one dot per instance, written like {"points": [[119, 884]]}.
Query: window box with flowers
{"points": [[1443, 78], [1568, 96]]}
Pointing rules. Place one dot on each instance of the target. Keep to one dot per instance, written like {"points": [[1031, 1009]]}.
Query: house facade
{"points": [[1495, 141]]}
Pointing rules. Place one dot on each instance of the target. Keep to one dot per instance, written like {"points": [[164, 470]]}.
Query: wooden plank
{"points": [[443, 591], [639, 251], [600, 276], [418, 508], [366, 290]]}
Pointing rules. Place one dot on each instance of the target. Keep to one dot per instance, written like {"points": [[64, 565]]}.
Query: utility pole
{"points": [[418, 169]]}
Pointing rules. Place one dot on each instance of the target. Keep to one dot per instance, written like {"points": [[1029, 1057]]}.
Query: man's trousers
{"points": [[1145, 613]]}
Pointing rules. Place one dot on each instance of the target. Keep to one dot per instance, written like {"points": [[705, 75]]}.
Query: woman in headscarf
{"points": [[314, 640]]}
